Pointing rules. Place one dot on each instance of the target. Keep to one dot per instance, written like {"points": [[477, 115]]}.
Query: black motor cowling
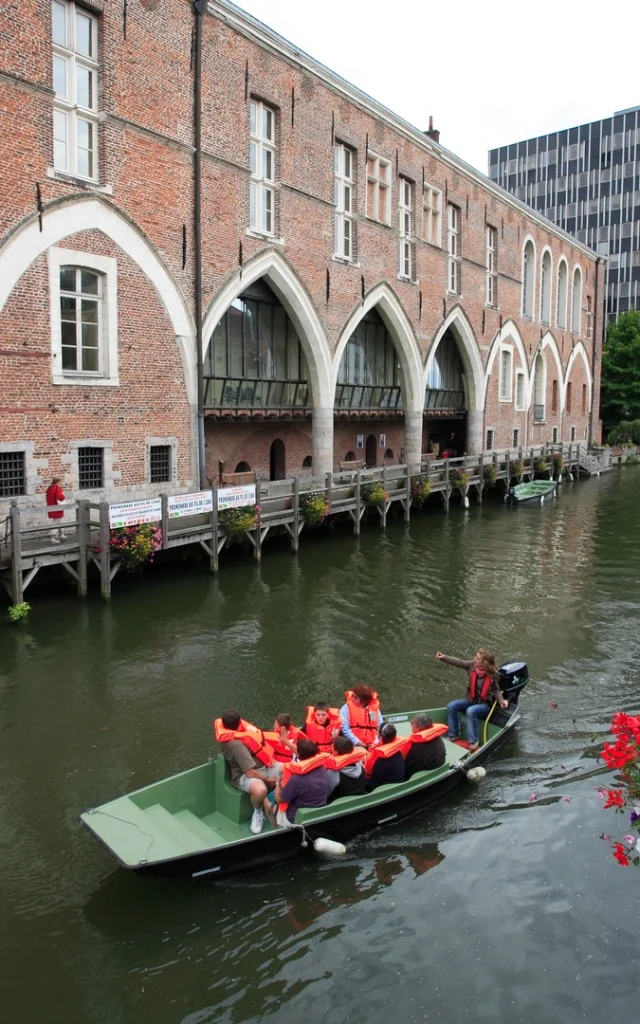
{"points": [[513, 679]]}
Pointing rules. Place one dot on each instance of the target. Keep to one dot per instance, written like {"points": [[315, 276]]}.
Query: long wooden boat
{"points": [[534, 490], [196, 823]]}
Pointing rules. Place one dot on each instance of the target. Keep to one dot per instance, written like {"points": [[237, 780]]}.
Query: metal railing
{"points": [[366, 396], [449, 401], [240, 393]]}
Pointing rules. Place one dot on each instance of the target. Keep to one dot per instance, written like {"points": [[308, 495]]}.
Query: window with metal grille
{"points": [[12, 475], [159, 463], [90, 468]]}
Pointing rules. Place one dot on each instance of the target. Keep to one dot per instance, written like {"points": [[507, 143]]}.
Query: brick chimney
{"points": [[431, 132]]}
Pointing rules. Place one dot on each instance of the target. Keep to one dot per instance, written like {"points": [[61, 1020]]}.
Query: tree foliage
{"points": [[620, 393]]}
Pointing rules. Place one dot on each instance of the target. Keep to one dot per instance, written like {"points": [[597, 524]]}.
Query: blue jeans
{"points": [[474, 712]]}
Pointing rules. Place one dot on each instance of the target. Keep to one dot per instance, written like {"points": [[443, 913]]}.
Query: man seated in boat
{"points": [[303, 784], [384, 762], [283, 738], [321, 725], [482, 692], [425, 749], [345, 771], [251, 761], [361, 717]]}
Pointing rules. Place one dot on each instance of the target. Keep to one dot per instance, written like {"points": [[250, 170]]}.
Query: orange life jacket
{"points": [[280, 752], [485, 688], [338, 761], [383, 750], [252, 737], [424, 736], [322, 735], [301, 768], [363, 722]]}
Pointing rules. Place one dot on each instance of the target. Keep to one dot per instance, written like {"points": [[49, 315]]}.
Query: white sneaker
{"points": [[257, 821]]}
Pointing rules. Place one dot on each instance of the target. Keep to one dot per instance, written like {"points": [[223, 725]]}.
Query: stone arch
{"points": [[93, 213], [578, 350], [508, 333], [277, 272], [547, 342], [474, 378], [397, 322]]}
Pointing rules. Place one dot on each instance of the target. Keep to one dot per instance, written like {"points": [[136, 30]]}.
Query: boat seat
{"points": [[230, 802]]}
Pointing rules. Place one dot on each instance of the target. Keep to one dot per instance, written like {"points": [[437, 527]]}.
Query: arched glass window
{"points": [[528, 279], [568, 401], [554, 396], [561, 308], [545, 287], [584, 398], [540, 385], [576, 301], [445, 383], [369, 373]]}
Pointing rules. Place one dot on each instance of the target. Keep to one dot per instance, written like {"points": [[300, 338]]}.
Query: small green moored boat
{"points": [[532, 491]]}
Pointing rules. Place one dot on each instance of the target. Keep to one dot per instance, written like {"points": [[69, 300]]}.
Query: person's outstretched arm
{"points": [[456, 662]]}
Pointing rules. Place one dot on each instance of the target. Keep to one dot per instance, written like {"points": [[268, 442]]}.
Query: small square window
{"points": [[12, 474], [90, 468], [159, 463], [516, 438], [489, 446], [554, 436]]}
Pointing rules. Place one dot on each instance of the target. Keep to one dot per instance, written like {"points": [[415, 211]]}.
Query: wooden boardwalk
{"points": [[26, 543]]}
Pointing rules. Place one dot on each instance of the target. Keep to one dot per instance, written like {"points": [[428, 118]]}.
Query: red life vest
{"points": [[424, 736], [383, 750], [281, 753], [338, 761], [363, 722], [322, 735], [301, 768], [252, 737], [485, 689]]}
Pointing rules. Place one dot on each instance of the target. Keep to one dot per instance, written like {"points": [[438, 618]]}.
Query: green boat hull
{"points": [[535, 490]]}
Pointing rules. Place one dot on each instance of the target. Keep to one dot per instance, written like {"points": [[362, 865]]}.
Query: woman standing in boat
{"points": [[483, 690]]}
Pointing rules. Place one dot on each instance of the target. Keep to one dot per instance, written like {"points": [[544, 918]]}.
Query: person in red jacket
{"points": [[54, 496]]}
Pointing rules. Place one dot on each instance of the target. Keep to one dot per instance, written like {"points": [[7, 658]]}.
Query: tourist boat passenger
{"points": [[385, 762], [251, 761], [483, 690], [283, 738], [425, 749], [361, 717], [345, 771], [304, 784], [321, 725]]}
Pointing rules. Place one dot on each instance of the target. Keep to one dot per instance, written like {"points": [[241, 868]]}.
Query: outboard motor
{"points": [[513, 679]]}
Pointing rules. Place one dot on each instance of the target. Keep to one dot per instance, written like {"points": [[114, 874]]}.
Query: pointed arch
{"points": [[474, 380], [384, 299], [96, 214], [578, 350], [278, 273], [549, 342], [508, 333]]}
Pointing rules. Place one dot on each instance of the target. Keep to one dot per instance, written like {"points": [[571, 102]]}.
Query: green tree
{"points": [[620, 393]]}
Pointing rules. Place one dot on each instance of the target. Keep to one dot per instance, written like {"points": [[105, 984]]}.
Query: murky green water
{"points": [[490, 908]]}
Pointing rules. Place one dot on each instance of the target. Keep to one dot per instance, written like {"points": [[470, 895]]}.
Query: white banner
{"points": [[133, 513], [189, 504], [236, 497]]}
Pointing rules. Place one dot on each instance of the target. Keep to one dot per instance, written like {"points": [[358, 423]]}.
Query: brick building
{"points": [[365, 294]]}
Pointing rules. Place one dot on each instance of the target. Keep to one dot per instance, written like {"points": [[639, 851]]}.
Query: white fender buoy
{"points": [[329, 848], [475, 774], [542, 499], [465, 501]]}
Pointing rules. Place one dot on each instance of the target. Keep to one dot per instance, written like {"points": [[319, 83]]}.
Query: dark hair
{"points": [[306, 748], [55, 480], [423, 722], [321, 705], [231, 718], [284, 720], [388, 733], [342, 745], [363, 693]]}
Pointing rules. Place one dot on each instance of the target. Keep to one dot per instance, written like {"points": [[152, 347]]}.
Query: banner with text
{"points": [[236, 497], [133, 513], [189, 504]]}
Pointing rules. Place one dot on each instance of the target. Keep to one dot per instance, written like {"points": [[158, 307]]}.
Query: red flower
{"points": [[620, 855], [614, 798]]}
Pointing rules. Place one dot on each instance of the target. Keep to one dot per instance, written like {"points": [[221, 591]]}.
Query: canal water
{"points": [[502, 904]]}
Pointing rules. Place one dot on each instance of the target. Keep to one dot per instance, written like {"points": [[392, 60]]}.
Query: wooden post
{"points": [[383, 517], [407, 511], [447, 486], [16, 554], [480, 487], [257, 550], [356, 528], [105, 552], [295, 540], [82, 534], [164, 522], [213, 522]]}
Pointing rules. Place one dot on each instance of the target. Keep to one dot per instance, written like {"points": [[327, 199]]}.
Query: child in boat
{"points": [[283, 738], [346, 779], [322, 725], [423, 757], [482, 691], [385, 762], [306, 786], [361, 716]]}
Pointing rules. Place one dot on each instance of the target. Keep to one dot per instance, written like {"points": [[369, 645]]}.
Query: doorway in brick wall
{"points": [[277, 460], [371, 451]]}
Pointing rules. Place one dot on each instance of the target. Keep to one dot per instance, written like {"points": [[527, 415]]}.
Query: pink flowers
{"points": [[135, 545]]}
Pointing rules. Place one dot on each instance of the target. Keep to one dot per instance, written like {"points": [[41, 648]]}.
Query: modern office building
{"points": [[587, 181]]}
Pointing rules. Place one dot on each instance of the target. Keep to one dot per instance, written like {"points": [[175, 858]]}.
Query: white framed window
{"points": [[520, 391], [561, 302], [378, 189], [589, 318], [344, 198], [506, 373], [528, 278], [516, 438], [405, 225], [545, 287], [432, 215], [262, 160], [75, 82], [489, 439], [84, 317], [491, 297], [453, 245], [576, 301]]}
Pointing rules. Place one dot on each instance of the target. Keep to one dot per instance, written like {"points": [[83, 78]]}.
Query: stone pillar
{"points": [[413, 438], [322, 441], [475, 438]]}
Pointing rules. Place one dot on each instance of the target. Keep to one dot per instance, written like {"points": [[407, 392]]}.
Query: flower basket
{"points": [[420, 489], [373, 493], [459, 479], [516, 468], [134, 546], [541, 466], [235, 521], [489, 474], [558, 465], [314, 508]]}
